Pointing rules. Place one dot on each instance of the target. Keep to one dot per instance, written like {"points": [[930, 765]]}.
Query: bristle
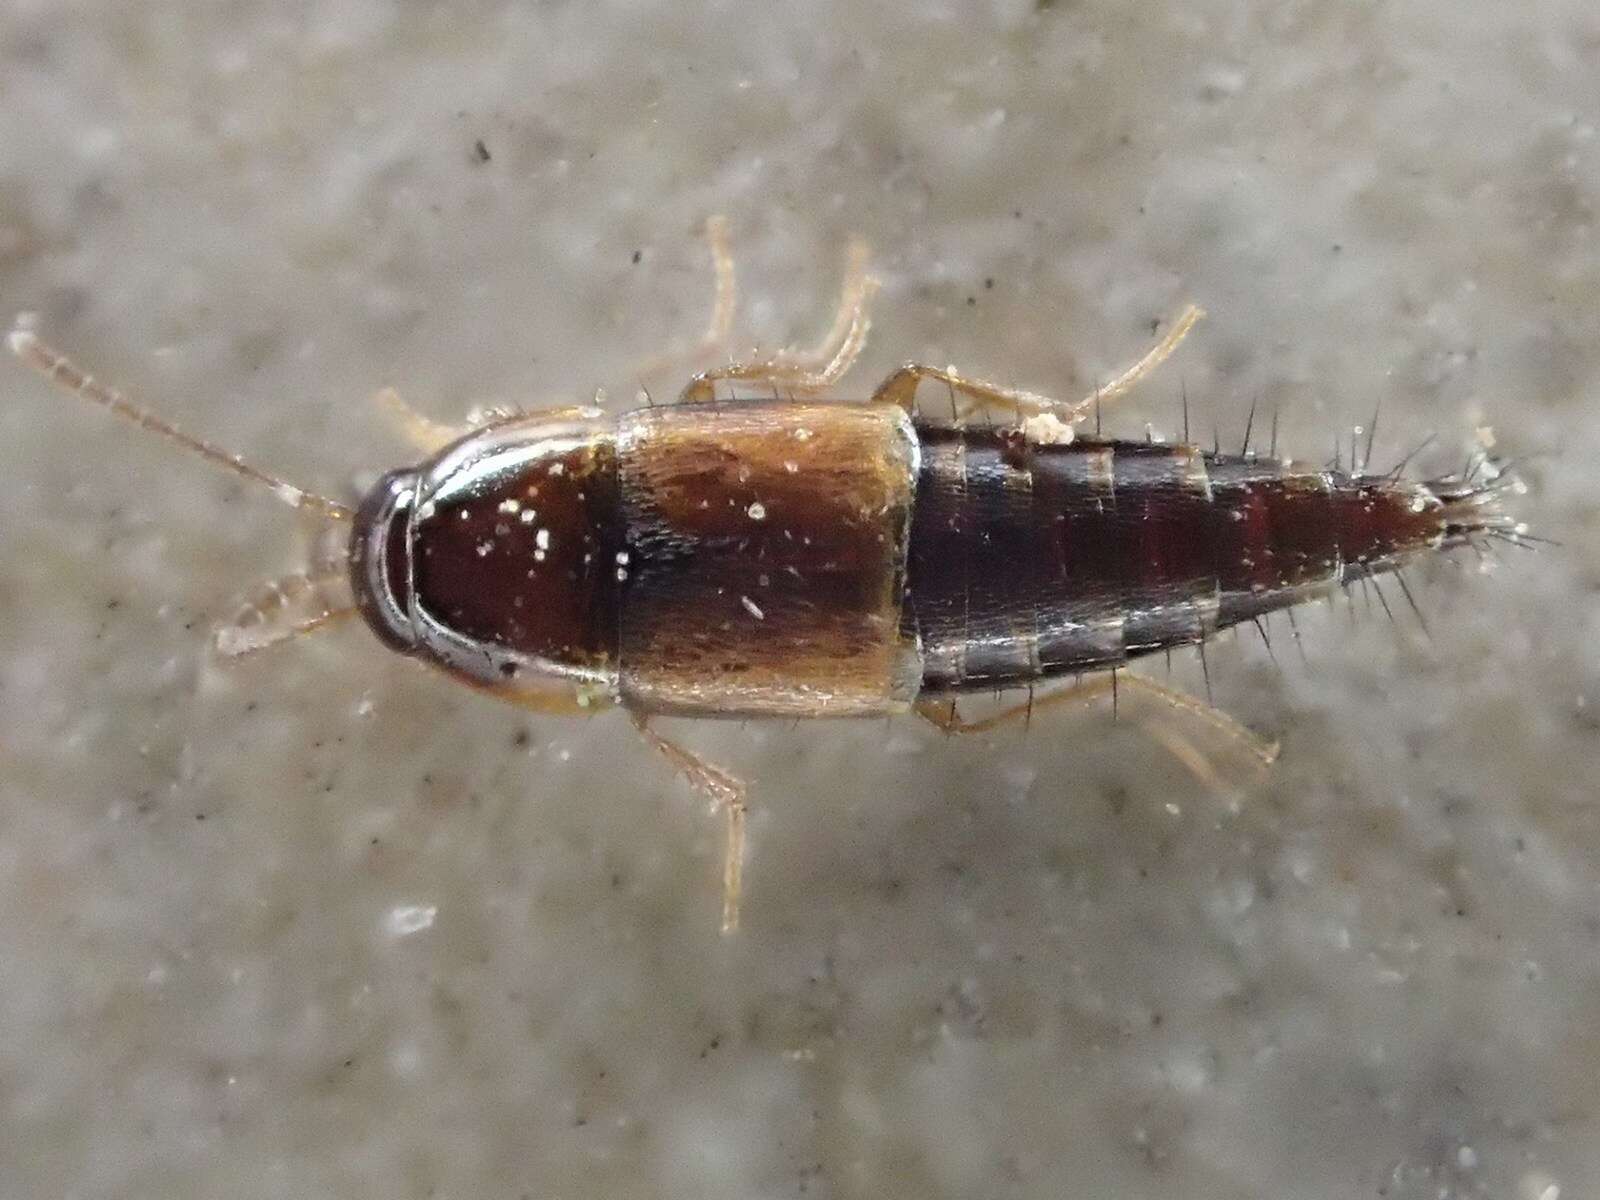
{"points": [[1471, 504]]}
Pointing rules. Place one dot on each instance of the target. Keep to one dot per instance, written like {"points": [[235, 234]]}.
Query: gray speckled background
{"points": [[326, 925]]}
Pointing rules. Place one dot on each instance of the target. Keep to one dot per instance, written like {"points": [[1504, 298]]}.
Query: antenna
{"points": [[61, 371]]}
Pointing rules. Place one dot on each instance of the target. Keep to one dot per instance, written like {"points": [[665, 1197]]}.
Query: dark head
{"points": [[498, 559], [380, 561]]}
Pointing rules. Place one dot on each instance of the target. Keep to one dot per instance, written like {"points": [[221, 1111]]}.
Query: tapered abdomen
{"points": [[1028, 561]]}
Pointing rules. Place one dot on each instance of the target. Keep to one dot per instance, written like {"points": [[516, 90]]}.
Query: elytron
{"points": [[785, 555]]}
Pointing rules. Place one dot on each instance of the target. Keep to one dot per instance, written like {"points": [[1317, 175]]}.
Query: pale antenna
{"points": [[61, 371]]}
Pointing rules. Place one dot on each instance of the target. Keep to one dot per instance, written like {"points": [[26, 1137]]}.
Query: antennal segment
{"points": [[61, 371]]}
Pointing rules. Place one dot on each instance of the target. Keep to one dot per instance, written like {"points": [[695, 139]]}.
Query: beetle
{"points": [[786, 555]]}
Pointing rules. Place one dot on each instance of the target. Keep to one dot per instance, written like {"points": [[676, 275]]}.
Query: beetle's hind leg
{"points": [[1263, 750], [724, 792], [901, 387], [943, 715], [815, 370], [1152, 358]]}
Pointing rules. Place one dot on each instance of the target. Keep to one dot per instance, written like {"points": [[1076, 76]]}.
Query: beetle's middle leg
{"points": [[724, 298], [724, 792], [815, 370]]}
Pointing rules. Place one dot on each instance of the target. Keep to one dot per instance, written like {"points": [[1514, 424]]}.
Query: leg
{"points": [[901, 387], [726, 291], [286, 608], [430, 436], [944, 716], [815, 370], [721, 323], [424, 433], [849, 319], [724, 792], [1153, 358], [1263, 750]]}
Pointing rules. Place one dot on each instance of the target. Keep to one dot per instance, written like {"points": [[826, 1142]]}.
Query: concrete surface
{"points": [[326, 925]]}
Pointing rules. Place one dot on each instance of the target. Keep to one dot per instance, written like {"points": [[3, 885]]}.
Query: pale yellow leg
{"points": [[849, 328], [1188, 754], [726, 289], [1153, 358], [722, 307], [901, 387], [943, 715], [724, 792], [430, 436], [424, 433], [818, 369], [1264, 750], [286, 608]]}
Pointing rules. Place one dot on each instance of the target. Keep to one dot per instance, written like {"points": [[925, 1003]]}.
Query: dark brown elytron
{"points": [[803, 557]]}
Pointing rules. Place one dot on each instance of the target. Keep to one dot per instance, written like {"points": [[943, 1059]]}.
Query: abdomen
{"points": [[1028, 561]]}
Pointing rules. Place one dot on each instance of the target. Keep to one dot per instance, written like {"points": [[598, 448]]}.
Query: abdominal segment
{"points": [[1028, 561]]}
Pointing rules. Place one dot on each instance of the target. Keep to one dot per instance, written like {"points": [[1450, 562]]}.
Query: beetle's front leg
{"points": [[423, 433], [285, 608]]}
